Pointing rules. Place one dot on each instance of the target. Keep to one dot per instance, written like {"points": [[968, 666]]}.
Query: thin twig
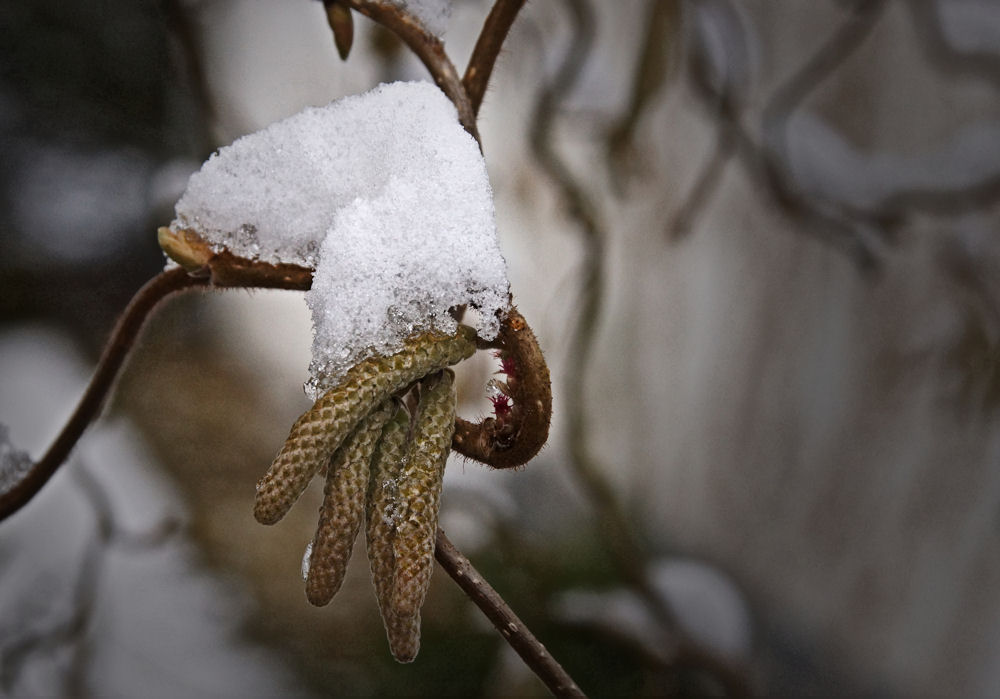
{"points": [[120, 344], [428, 49], [484, 55], [504, 619]]}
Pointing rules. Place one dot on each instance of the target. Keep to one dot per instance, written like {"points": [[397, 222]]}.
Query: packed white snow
{"points": [[433, 14], [386, 195], [14, 463]]}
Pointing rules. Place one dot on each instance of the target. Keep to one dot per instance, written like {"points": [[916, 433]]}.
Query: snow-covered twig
{"points": [[428, 48]]}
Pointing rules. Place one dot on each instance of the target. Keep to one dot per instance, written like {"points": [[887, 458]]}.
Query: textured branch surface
{"points": [[484, 55], [511, 440], [504, 619]]}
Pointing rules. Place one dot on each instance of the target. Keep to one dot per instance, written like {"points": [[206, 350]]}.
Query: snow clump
{"points": [[385, 195]]}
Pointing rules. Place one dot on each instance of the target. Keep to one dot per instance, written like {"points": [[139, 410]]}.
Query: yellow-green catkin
{"points": [[381, 519], [382, 508], [323, 428], [420, 493], [343, 507]]}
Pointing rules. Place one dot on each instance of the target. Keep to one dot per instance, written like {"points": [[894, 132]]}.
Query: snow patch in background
{"points": [[14, 463], [829, 167], [385, 195], [706, 603], [433, 14]]}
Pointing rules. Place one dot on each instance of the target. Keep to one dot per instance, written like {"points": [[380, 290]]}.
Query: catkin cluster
{"points": [[384, 466]]}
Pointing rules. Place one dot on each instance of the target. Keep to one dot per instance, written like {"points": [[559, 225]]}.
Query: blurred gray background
{"points": [[758, 242]]}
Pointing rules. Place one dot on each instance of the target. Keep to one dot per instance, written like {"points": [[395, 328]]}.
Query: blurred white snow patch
{"points": [[706, 604], [970, 25], [386, 195], [830, 167], [14, 463], [475, 505], [80, 205], [169, 181], [433, 14], [158, 625]]}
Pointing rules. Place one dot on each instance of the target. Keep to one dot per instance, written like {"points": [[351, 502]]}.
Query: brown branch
{"points": [[428, 49], [512, 440], [122, 340], [504, 619], [830, 55], [484, 55]]}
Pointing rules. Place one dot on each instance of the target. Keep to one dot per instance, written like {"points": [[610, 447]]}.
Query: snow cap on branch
{"points": [[385, 195]]}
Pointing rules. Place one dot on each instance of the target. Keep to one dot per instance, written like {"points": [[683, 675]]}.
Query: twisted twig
{"points": [[116, 351], [516, 434]]}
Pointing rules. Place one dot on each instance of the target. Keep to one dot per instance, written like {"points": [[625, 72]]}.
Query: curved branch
{"points": [[484, 55], [428, 49], [844, 41], [122, 340], [512, 440], [502, 617]]}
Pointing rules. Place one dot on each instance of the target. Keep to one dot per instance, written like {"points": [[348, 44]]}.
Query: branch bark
{"points": [[117, 350], [484, 55], [504, 619]]}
